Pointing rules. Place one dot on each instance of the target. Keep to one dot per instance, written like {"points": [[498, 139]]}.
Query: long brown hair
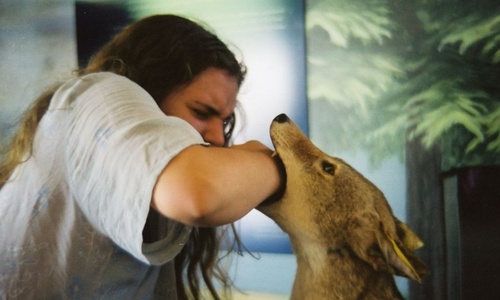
{"points": [[162, 54]]}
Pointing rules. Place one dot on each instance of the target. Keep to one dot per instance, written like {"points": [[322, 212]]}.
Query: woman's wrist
{"points": [[256, 146], [278, 194]]}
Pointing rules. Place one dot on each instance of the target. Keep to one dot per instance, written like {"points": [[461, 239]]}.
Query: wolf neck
{"points": [[333, 273]]}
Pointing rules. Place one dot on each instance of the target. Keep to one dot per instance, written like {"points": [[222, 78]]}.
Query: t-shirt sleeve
{"points": [[118, 142]]}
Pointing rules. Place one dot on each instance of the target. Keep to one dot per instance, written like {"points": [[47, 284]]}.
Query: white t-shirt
{"points": [[72, 215]]}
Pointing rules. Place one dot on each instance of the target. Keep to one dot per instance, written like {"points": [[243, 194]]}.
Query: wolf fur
{"points": [[347, 242]]}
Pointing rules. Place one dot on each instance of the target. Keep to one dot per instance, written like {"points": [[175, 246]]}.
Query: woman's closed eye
{"points": [[208, 114], [201, 114]]}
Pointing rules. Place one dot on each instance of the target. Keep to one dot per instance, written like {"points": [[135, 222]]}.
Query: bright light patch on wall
{"points": [[268, 89], [225, 16]]}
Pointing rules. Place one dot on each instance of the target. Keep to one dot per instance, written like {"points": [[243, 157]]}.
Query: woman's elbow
{"points": [[192, 207]]}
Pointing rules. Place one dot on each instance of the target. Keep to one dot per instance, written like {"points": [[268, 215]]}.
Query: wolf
{"points": [[347, 242]]}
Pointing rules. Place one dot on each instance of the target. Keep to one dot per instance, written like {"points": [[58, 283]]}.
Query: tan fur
{"points": [[347, 242]]}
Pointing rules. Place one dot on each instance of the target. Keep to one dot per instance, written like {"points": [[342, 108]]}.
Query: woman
{"points": [[118, 173]]}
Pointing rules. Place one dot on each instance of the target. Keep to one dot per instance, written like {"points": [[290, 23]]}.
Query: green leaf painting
{"points": [[386, 71]]}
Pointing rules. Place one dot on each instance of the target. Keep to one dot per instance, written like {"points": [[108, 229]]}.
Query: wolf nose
{"points": [[281, 118]]}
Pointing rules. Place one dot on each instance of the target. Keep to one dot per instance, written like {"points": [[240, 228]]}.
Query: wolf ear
{"points": [[409, 239], [387, 244], [400, 257]]}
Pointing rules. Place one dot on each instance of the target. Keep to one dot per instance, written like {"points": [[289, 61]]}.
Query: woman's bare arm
{"points": [[210, 186]]}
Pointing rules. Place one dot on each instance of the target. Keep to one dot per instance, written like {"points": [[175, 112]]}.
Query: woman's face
{"points": [[207, 104]]}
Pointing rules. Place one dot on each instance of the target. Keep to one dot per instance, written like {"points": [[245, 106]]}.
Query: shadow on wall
{"points": [[30, 61]]}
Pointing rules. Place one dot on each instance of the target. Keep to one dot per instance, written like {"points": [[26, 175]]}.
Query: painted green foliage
{"points": [[384, 71]]}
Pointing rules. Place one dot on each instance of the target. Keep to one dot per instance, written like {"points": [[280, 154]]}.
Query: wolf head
{"points": [[329, 203]]}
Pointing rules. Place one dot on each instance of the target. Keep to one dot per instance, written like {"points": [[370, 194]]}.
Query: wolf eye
{"points": [[374, 250], [328, 167]]}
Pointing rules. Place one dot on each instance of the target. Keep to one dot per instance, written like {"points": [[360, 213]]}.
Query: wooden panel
{"points": [[425, 216], [472, 206]]}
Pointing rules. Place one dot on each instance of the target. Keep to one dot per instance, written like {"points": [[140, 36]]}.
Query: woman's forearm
{"points": [[210, 186]]}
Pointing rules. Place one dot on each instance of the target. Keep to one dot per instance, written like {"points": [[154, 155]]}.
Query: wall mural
{"points": [[417, 80], [382, 72]]}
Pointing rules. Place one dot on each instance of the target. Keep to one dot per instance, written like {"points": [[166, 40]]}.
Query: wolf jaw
{"points": [[281, 190]]}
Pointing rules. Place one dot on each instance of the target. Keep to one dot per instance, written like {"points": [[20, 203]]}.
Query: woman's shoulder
{"points": [[98, 86], [105, 76], [96, 80], [104, 79]]}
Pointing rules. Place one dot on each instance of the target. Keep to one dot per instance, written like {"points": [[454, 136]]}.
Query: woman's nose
{"points": [[214, 133]]}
